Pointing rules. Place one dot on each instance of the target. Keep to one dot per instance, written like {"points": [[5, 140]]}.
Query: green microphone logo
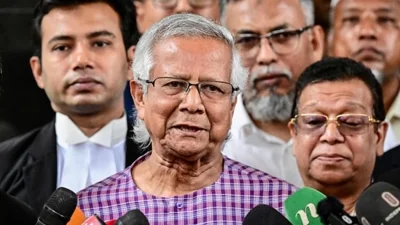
{"points": [[301, 207], [302, 214]]}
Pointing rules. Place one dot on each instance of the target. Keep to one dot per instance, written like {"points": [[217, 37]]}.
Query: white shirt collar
{"points": [[68, 133], [240, 116]]}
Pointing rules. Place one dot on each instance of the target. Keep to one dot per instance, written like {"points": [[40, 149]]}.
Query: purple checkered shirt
{"points": [[227, 201]]}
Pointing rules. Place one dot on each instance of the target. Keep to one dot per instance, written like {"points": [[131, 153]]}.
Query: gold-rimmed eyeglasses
{"points": [[347, 124], [176, 87]]}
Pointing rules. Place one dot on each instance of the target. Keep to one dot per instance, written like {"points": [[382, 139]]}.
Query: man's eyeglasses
{"points": [[281, 41], [175, 87], [348, 124], [169, 4]]}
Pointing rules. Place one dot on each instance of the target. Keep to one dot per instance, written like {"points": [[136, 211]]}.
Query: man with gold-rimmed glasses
{"points": [[149, 12], [338, 128], [276, 40]]}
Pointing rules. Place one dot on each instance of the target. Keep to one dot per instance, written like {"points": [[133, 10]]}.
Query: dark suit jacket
{"points": [[28, 164], [388, 161]]}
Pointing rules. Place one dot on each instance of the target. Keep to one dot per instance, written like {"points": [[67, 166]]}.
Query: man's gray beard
{"points": [[272, 107]]}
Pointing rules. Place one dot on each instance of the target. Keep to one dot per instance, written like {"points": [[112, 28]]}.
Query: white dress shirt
{"points": [[255, 148], [82, 160]]}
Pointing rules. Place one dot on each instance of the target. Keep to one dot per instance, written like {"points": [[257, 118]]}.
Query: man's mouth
{"points": [[368, 55], [188, 128], [264, 82]]}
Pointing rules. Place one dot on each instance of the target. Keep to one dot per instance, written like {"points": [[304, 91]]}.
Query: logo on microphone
{"points": [[390, 199], [303, 215]]}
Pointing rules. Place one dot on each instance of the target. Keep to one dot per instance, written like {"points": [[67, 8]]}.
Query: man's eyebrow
{"points": [[60, 38], [383, 10], [279, 27], [275, 28], [100, 33]]}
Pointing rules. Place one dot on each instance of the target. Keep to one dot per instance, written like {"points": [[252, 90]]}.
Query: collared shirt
{"points": [[226, 201], [82, 160], [393, 116], [258, 149]]}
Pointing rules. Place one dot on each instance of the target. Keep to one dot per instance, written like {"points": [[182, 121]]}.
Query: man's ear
{"points": [[380, 137], [138, 98], [36, 68], [317, 42], [140, 14], [131, 55]]}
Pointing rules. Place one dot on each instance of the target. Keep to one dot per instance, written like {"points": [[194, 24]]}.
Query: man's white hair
{"points": [[187, 26], [307, 6]]}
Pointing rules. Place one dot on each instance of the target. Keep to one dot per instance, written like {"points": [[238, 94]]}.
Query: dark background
{"points": [[23, 106]]}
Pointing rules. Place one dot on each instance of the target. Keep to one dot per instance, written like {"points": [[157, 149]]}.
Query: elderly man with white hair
{"points": [[187, 74]]}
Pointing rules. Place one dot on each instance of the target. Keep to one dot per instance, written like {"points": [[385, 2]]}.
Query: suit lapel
{"points": [[40, 176]]}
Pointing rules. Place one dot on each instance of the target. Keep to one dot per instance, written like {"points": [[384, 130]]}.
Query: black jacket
{"points": [[28, 164], [390, 160]]}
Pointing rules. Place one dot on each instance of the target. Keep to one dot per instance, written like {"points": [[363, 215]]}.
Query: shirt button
{"points": [[179, 205]]}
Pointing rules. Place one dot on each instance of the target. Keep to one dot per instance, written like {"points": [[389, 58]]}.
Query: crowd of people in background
{"points": [[231, 104]]}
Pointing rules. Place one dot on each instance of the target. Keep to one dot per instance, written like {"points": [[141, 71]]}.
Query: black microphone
{"points": [[331, 212], [264, 215], [379, 204], [14, 211], [133, 217], [58, 208]]}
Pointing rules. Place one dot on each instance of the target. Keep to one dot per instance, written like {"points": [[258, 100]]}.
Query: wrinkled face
{"points": [[333, 158], [272, 74], [368, 31], [84, 65], [187, 125], [149, 12]]}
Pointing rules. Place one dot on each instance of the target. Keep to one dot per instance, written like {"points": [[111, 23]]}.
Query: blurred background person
{"points": [[187, 74], [149, 12], [276, 40], [82, 53], [368, 31], [338, 128]]}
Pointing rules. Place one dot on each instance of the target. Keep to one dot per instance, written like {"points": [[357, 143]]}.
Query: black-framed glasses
{"points": [[347, 124], [176, 87], [281, 41], [169, 4]]}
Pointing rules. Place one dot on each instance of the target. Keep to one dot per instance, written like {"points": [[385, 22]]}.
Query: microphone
{"points": [[77, 217], [14, 211], [379, 204], [264, 215], [94, 220], [331, 212], [58, 208], [300, 207], [133, 217]]}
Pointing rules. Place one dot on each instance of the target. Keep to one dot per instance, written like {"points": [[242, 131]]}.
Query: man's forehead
{"points": [[349, 95], [264, 14], [382, 6]]}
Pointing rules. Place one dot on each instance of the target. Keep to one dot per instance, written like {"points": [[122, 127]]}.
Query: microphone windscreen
{"points": [[14, 211], [327, 207], [58, 208], [77, 217], [111, 222], [133, 217], [379, 204], [301, 206], [264, 215]]}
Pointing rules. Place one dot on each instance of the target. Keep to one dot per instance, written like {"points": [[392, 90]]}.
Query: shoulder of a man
{"points": [[14, 155]]}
